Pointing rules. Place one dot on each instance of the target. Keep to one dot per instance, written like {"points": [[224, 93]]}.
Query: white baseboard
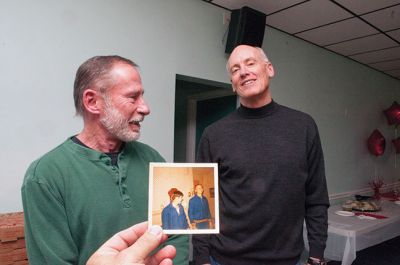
{"points": [[365, 191]]}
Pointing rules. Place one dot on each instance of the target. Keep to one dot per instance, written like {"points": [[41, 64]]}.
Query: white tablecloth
{"points": [[346, 235]]}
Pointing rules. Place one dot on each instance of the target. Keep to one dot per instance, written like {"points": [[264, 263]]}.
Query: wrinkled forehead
{"points": [[127, 76], [241, 54], [124, 70]]}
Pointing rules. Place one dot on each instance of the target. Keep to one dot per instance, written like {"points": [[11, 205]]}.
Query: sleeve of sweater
{"points": [[208, 213], [47, 233], [317, 200], [165, 219], [191, 210], [201, 248]]}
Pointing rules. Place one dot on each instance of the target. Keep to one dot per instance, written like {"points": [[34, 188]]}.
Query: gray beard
{"points": [[116, 124]]}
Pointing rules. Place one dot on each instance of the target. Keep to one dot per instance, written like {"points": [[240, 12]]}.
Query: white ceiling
{"points": [[367, 31]]}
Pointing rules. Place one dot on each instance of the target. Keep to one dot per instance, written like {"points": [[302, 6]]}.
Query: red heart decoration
{"points": [[376, 143], [393, 114]]}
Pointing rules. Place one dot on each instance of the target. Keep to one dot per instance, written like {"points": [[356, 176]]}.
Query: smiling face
{"points": [[124, 107], [199, 190], [178, 199], [250, 72]]}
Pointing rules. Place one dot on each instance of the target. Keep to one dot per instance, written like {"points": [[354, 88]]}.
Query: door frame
{"points": [[192, 102]]}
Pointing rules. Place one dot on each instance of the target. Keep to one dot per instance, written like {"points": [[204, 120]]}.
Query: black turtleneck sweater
{"points": [[271, 178]]}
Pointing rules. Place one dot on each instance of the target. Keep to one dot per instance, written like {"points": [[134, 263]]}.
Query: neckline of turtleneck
{"points": [[254, 113]]}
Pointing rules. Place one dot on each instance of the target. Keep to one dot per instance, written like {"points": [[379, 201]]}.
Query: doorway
{"points": [[198, 103]]}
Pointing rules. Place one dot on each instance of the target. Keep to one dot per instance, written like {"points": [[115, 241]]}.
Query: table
{"points": [[346, 235]]}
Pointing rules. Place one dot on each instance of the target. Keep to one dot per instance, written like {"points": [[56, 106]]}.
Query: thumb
{"points": [[148, 242]]}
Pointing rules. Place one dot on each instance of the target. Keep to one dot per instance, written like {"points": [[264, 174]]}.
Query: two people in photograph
{"points": [[173, 216]]}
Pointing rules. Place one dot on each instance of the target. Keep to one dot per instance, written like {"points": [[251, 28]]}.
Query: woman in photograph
{"points": [[173, 215]]}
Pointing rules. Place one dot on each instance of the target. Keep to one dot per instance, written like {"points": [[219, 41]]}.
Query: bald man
{"points": [[271, 175]]}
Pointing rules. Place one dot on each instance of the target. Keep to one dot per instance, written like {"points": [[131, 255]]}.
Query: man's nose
{"points": [[243, 71], [143, 108]]}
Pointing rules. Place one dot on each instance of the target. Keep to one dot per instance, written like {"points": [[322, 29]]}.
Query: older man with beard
{"points": [[95, 183]]}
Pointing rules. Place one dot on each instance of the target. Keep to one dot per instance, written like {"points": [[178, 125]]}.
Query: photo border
{"points": [[215, 230]]}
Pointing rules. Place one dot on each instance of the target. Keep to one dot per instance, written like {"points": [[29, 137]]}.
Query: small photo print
{"points": [[183, 197]]}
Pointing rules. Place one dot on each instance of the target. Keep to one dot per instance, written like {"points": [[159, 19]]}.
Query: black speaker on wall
{"points": [[247, 26]]}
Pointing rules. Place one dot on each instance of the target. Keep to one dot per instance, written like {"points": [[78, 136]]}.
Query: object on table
{"points": [[344, 213], [391, 195], [362, 197], [376, 186], [365, 217], [371, 215], [365, 206]]}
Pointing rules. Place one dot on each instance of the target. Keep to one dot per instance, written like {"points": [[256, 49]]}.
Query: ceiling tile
{"points": [[341, 31], [274, 6], [394, 34], [386, 66], [306, 16], [231, 4], [378, 56], [370, 43], [386, 19], [331, 24], [266, 7], [395, 73], [364, 6]]}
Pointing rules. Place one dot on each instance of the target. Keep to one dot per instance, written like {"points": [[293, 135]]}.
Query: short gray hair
{"points": [[95, 73], [263, 54]]}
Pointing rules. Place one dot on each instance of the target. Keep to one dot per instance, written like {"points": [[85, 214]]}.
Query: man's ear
{"points": [[91, 101], [270, 70]]}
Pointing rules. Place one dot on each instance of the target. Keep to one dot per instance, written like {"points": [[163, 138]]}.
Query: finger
{"points": [[167, 262], [142, 248], [164, 238], [125, 238], [163, 256]]}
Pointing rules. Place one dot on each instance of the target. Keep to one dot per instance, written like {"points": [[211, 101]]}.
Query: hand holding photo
{"points": [[183, 197]]}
